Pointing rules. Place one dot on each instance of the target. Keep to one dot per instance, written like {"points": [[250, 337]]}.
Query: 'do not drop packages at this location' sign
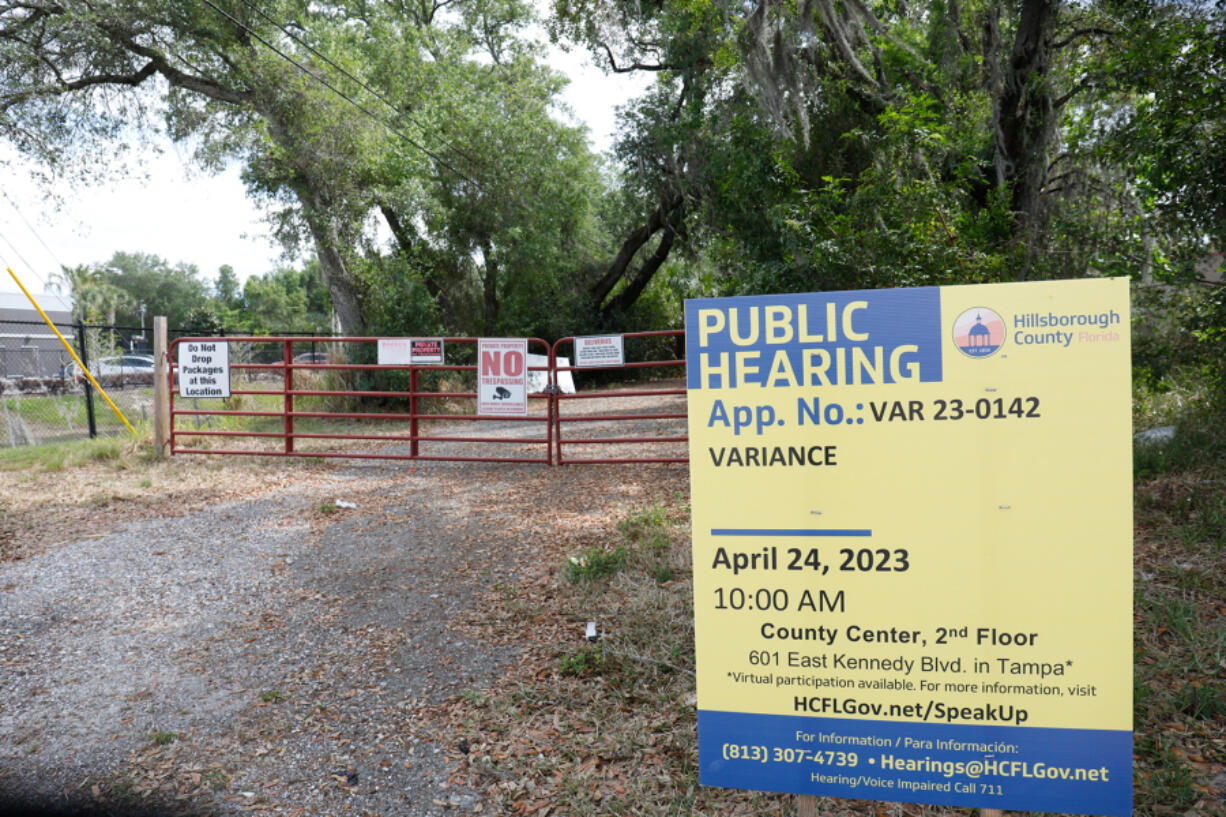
{"points": [[204, 368], [912, 530]]}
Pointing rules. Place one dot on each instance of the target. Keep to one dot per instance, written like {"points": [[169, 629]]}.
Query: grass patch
{"points": [[595, 564], [121, 452], [618, 715], [48, 457], [163, 738], [1180, 611], [587, 661], [216, 779], [108, 450]]}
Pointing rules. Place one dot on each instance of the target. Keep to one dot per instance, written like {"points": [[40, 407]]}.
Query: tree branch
{"points": [[630, 247], [1085, 82], [634, 66], [37, 15], [159, 63], [64, 87], [404, 236], [1083, 32], [635, 286], [838, 35]]}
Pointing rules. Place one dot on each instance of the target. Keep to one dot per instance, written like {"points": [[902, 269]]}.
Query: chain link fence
{"points": [[45, 397]]}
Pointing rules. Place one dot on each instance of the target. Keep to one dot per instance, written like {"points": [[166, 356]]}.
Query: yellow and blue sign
{"points": [[913, 544]]}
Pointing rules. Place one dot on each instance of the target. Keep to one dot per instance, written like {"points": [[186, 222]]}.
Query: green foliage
{"points": [[515, 232], [1206, 702], [1169, 103], [808, 167], [647, 545], [173, 291], [286, 300], [595, 564], [1180, 646], [1169, 780], [119, 452], [583, 663], [647, 528], [95, 298], [216, 779], [781, 147], [395, 298], [227, 287]]}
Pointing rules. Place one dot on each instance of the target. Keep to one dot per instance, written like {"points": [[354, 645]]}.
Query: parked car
{"points": [[120, 369], [311, 357]]}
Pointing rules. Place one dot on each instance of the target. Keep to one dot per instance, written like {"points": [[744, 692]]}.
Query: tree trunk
{"points": [[329, 248], [346, 316], [403, 235], [634, 288], [434, 280], [659, 219], [1025, 117], [490, 298]]}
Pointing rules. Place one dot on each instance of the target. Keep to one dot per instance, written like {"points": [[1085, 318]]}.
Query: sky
{"points": [[183, 215]]}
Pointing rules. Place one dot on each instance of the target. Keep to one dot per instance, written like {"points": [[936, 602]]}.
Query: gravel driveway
{"points": [[273, 655]]}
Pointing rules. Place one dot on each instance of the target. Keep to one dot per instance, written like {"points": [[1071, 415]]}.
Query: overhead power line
{"points": [[33, 231], [22, 259], [349, 75], [324, 82]]}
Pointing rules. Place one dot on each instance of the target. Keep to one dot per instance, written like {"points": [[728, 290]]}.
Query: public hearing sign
{"points": [[912, 535]]}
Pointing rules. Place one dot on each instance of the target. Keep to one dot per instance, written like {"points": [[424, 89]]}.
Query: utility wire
{"points": [[391, 105], [322, 81], [22, 259], [34, 232], [479, 163]]}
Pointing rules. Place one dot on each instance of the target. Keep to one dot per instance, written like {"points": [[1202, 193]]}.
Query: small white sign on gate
{"points": [[393, 352], [204, 368], [410, 351], [600, 350]]}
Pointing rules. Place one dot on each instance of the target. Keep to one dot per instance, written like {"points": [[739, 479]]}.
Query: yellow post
{"points": [[68, 346]]}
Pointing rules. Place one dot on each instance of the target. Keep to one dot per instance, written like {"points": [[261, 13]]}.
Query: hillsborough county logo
{"points": [[979, 332]]}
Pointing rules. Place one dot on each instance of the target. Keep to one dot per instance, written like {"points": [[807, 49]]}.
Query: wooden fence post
{"points": [[161, 388]]}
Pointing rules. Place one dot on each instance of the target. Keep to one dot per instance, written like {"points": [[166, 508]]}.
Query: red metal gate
{"points": [[657, 417], [310, 403]]}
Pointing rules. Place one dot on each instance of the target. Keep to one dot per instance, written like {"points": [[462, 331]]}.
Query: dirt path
{"points": [[274, 655]]}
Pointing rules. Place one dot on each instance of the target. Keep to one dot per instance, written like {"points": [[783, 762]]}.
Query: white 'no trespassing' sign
{"points": [[204, 368]]}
